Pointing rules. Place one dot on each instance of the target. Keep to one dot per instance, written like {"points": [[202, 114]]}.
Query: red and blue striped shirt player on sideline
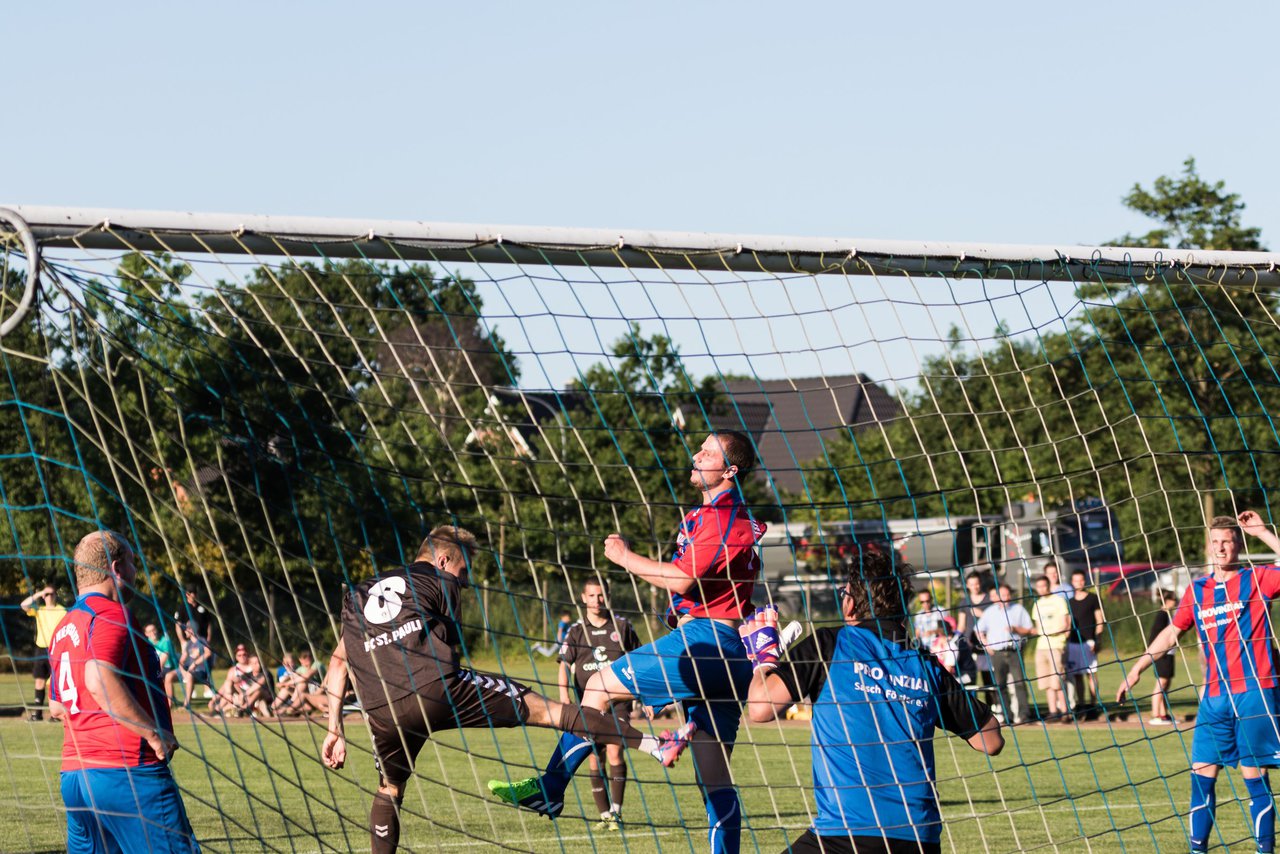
{"points": [[701, 664], [108, 690], [1237, 723]]}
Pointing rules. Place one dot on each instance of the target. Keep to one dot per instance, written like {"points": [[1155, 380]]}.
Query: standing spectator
{"points": [[194, 665], [591, 643], [971, 660], [1056, 584], [1164, 664], [43, 606], [1053, 624], [1087, 621], [1001, 629], [929, 621], [194, 614], [116, 783]]}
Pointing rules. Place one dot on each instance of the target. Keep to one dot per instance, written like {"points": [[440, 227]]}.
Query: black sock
{"points": [[597, 726], [599, 790], [617, 785], [384, 824], [40, 693]]}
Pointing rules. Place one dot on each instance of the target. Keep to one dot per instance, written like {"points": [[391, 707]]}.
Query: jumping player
{"points": [[118, 736], [400, 637], [1237, 723], [701, 664], [591, 643], [876, 702]]}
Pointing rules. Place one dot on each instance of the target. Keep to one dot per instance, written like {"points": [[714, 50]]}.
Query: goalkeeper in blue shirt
{"points": [[876, 702]]}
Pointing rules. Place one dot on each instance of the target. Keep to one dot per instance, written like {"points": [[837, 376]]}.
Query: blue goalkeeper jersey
{"points": [[876, 704]]}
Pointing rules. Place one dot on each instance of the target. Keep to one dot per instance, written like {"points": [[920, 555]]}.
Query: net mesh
{"points": [[270, 426]]}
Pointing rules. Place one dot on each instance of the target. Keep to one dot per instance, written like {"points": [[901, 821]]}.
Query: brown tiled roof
{"points": [[792, 419]]}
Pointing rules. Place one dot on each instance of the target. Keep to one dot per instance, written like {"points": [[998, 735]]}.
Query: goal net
{"points": [[273, 410]]}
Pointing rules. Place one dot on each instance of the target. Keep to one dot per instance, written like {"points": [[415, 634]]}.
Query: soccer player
{"points": [[1236, 723], [876, 703], [592, 642], [118, 737], [1053, 624], [400, 637], [1087, 622], [701, 664], [43, 606]]}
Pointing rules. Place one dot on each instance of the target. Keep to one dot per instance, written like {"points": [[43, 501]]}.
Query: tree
{"points": [[1193, 213]]}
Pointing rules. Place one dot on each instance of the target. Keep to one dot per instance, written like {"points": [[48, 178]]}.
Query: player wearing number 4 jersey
{"points": [[1237, 721], [118, 737], [400, 638]]}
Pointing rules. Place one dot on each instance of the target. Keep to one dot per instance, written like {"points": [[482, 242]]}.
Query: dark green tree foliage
{"points": [[1159, 392]]}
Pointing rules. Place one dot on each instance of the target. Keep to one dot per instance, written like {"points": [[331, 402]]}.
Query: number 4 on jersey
{"points": [[67, 693]]}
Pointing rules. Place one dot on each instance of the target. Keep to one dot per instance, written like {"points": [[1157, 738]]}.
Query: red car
{"points": [[1120, 581]]}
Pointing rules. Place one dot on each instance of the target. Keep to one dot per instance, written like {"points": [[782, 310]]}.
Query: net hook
{"points": [[32, 250]]}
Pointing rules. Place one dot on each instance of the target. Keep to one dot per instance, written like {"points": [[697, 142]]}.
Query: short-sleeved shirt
{"points": [[193, 649], [974, 610], [588, 647], [1084, 624], [97, 628], [876, 703], [929, 623], [1053, 620], [717, 546], [401, 632], [47, 619], [1231, 618], [997, 624], [165, 646]]}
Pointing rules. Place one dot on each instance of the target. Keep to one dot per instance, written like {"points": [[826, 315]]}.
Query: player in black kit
{"points": [[597, 639], [400, 636]]}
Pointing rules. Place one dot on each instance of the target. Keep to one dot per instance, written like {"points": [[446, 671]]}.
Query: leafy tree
{"points": [[1193, 214]]}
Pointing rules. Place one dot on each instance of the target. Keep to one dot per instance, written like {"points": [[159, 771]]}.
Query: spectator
{"points": [[1087, 621], [929, 621], [164, 652], [308, 695], [194, 665], [194, 614], [255, 691], [1164, 664], [971, 660], [43, 606], [1001, 629], [233, 685], [1056, 584], [1053, 625]]}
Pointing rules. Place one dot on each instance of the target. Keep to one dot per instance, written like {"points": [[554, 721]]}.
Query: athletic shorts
{"points": [[125, 809], [41, 668], [701, 665], [1081, 659], [1238, 729], [464, 700], [1164, 666], [1048, 668], [811, 843]]}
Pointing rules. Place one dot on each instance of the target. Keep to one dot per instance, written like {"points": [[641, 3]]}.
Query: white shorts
{"points": [[1081, 659]]}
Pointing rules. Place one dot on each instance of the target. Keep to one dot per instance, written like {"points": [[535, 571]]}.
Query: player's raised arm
{"points": [[1251, 523]]}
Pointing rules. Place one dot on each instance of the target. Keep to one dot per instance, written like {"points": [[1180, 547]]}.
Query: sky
{"points": [[990, 122]]}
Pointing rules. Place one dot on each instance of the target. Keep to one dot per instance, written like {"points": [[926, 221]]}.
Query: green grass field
{"points": [[259, 787]]}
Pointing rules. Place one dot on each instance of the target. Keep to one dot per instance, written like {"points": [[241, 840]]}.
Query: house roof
{"points": [[793, 419]]}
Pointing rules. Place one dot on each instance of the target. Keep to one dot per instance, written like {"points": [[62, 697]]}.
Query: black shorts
{"points": [[1164, 666], [810, 843], [466, 699], [41, 668]]}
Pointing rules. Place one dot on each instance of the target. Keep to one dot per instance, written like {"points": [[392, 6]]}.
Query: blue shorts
{"points": [[701, 665], [1238, 729], [126, 809]]}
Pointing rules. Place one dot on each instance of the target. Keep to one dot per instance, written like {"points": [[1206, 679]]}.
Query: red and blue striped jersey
{"points": [[1233, 622], [717, 546], [100, 629]]}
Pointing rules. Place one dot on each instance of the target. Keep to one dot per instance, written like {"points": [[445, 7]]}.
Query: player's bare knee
{"points": [[391, 790]]}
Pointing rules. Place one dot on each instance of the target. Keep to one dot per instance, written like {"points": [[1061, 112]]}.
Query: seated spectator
{"points": [[284, 683], [193, 667], [307, 688], [228, 695], [255, 689]]}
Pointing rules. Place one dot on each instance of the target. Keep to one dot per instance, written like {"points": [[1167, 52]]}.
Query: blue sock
{"points": [[1262, 810], [1203, 806], [724, 814], [570, 752]]}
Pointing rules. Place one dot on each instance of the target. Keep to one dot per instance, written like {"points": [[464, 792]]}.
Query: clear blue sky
{"points": [[1011, 122], [1001, 122]]}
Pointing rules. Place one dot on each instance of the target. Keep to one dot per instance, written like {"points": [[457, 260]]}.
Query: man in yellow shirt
{"points": [[43, 605], [1052, 616]]}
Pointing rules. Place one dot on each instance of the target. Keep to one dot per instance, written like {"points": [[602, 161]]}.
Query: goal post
{"points": [[276, 408]]}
